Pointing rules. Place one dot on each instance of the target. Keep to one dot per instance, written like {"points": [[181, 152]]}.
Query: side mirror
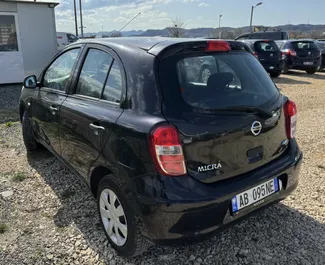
{"points": [[30, 81]]}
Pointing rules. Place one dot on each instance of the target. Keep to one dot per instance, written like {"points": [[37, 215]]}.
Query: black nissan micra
{"points": [[168, 156]]}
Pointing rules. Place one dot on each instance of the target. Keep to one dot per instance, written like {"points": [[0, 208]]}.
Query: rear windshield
{"points": [[218, 80], [266, 46], [304, 45]]}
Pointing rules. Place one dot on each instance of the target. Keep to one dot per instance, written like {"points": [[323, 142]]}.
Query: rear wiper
{"points": [[259, 110]]}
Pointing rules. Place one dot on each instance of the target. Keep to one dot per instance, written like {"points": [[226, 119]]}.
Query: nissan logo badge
{"points": [[256, 128]]}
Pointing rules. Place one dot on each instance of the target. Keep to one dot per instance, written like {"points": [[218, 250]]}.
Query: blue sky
{"points": [[156, 14]]}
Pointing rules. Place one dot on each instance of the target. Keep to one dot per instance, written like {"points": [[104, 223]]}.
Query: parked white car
{"points": [[64, 38]]}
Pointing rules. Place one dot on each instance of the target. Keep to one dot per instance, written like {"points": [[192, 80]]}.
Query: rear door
{"points": [[90, 111], [267, 51], [221, 138]]}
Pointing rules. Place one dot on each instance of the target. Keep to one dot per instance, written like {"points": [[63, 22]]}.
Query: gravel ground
{"points": [[9, 102], [47, 216]]}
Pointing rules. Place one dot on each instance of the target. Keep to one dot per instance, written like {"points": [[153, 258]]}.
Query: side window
{"points": [[113, 87], [59, 72], [93, 74]]}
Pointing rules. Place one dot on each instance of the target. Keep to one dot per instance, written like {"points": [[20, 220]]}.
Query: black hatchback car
{"points": [[168, 157], [269, 55], [301, 55]]}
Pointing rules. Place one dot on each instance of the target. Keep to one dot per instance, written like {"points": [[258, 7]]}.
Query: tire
{"points": [[28, 134], [311, 71], [205, 73], [285, 69], [133, 244], [275, 74]]}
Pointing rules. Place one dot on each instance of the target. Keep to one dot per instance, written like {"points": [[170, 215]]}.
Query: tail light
{"points": [[291, 52], [218, 46], [283, 56], [290, 112], [255, 54], [167, 152]]}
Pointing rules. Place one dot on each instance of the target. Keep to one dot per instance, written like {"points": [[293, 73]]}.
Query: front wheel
{"points": [[28, 134], [119, 219], [275, 74], [311, 71]]}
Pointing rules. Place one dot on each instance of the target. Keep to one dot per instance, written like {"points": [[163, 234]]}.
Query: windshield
{"points": [[218, 80], [275, 35], [266, 46]]}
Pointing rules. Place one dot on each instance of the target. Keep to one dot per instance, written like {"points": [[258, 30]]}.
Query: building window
{"points": [[8, 34]]}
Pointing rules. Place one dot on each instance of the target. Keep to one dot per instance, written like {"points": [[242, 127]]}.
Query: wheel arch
{"points": [[97, 174]]}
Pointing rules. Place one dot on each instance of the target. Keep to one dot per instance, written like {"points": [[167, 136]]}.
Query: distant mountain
{"points": [[228, 32], [209, 32]]}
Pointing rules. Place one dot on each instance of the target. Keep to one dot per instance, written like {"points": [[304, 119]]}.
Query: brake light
{"points": [[255, 54], [290, 112], [290, 52], [218, 46], [167, 152]]}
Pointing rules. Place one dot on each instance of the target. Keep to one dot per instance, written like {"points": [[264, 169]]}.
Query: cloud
{"points": [[202, 4]]}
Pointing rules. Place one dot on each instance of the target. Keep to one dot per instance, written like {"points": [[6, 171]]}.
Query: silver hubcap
{"points": [[113, 217], [205, 75]]}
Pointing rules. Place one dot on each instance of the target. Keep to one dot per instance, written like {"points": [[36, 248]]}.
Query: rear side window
{"points": [[217, 80], [304, 45], [113, 87], [266, 46], [93, 74]]}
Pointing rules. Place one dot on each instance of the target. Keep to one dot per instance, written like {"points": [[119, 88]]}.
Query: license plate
{"points": [[308, 63], [254, 195], [271, 67]]}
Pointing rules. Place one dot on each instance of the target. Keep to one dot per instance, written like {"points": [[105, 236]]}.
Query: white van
{"points": [[64, 38]]}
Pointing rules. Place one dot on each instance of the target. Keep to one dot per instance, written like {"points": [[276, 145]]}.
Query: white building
{"points": [[27, 38]]}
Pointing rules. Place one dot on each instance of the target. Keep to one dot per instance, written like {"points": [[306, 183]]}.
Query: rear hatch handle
{"points": [[258, 110]]}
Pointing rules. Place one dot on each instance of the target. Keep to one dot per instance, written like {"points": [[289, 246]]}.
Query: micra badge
{"points": [[209, 167]]}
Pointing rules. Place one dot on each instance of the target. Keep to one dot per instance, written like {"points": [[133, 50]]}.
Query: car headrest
{"points": [[219, 80], [268, 47]]}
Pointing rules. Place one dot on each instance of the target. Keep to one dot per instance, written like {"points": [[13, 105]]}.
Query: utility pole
{"points": [[252, 12], [220, 16], [75, 16], [81, 25]]}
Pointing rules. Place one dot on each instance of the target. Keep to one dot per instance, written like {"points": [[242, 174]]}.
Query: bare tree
{"points": [[176, 30], [115, 34]]}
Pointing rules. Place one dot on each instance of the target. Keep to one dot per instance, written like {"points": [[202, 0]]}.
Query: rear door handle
{"points": [[97, 129]]}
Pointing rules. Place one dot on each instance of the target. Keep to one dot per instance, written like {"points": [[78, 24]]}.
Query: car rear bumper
{"points": [[300, 65], [190, 209], [273, 67]]}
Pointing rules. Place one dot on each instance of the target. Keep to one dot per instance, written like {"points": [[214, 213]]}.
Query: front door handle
{"points": [[97, 129], [53, 108]]}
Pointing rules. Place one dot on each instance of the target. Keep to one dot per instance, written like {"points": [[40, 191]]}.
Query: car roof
{"points": [[154, 45], [254, 40], [143, 43]]}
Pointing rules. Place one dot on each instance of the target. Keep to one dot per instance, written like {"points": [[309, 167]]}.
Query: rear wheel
{"points": [[311, 71], [118, 217], [275, 74], [28, 134], [205, 74]]}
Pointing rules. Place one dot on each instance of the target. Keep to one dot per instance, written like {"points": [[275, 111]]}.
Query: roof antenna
{"points": [[130, 21]]}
